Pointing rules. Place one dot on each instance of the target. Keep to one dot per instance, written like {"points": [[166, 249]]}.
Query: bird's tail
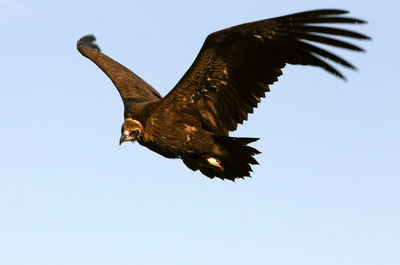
{"points": [[239, 158], [235, 161]]}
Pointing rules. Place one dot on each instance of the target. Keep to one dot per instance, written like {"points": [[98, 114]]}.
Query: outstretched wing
{"points": [[235, 66], [131, 87]]}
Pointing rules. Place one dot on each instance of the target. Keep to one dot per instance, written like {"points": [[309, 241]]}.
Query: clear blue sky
{"points": [[327, 189]]}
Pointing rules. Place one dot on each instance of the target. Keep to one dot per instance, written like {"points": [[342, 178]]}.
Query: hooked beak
{"points": [[122, 139], [127, 136]]}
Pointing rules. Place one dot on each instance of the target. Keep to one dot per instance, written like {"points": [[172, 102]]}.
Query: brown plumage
{"points": [[232, 71]]}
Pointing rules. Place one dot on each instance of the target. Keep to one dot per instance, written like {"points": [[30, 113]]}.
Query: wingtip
{"points": [[88, 41], [366, 37], [341, 77], [333, 11]]}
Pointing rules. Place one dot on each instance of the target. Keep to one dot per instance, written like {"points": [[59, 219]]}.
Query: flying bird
{"points": [[226, 81]]}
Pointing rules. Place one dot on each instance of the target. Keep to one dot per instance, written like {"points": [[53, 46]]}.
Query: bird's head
{"points": [[131, 130]]}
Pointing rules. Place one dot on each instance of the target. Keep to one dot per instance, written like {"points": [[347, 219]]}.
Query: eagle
{"points": [[226, 81]]}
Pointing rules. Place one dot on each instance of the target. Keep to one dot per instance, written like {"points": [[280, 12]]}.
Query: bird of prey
{"points": [[232, 71]]}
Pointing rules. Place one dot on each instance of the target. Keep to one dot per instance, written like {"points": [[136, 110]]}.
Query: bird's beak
{"points": [[122, 139]]}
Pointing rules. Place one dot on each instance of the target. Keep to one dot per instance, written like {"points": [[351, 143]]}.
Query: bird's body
{"points": [[181, 135], [232, 72]]}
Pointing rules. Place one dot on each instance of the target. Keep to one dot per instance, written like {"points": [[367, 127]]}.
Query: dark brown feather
{"points": [[235, 66], [130, 86]]}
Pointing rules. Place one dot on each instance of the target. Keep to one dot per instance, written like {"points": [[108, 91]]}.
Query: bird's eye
{"points": [[134, 133]]}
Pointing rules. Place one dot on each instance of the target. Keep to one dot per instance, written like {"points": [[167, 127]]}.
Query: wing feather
{"points": [[235, 66], [131, 87]]}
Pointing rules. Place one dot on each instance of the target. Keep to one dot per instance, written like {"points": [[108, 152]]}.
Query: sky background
{"points": [[327, 189]]}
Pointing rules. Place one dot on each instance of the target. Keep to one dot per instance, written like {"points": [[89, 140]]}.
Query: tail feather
{"points": [[235, 162]]}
